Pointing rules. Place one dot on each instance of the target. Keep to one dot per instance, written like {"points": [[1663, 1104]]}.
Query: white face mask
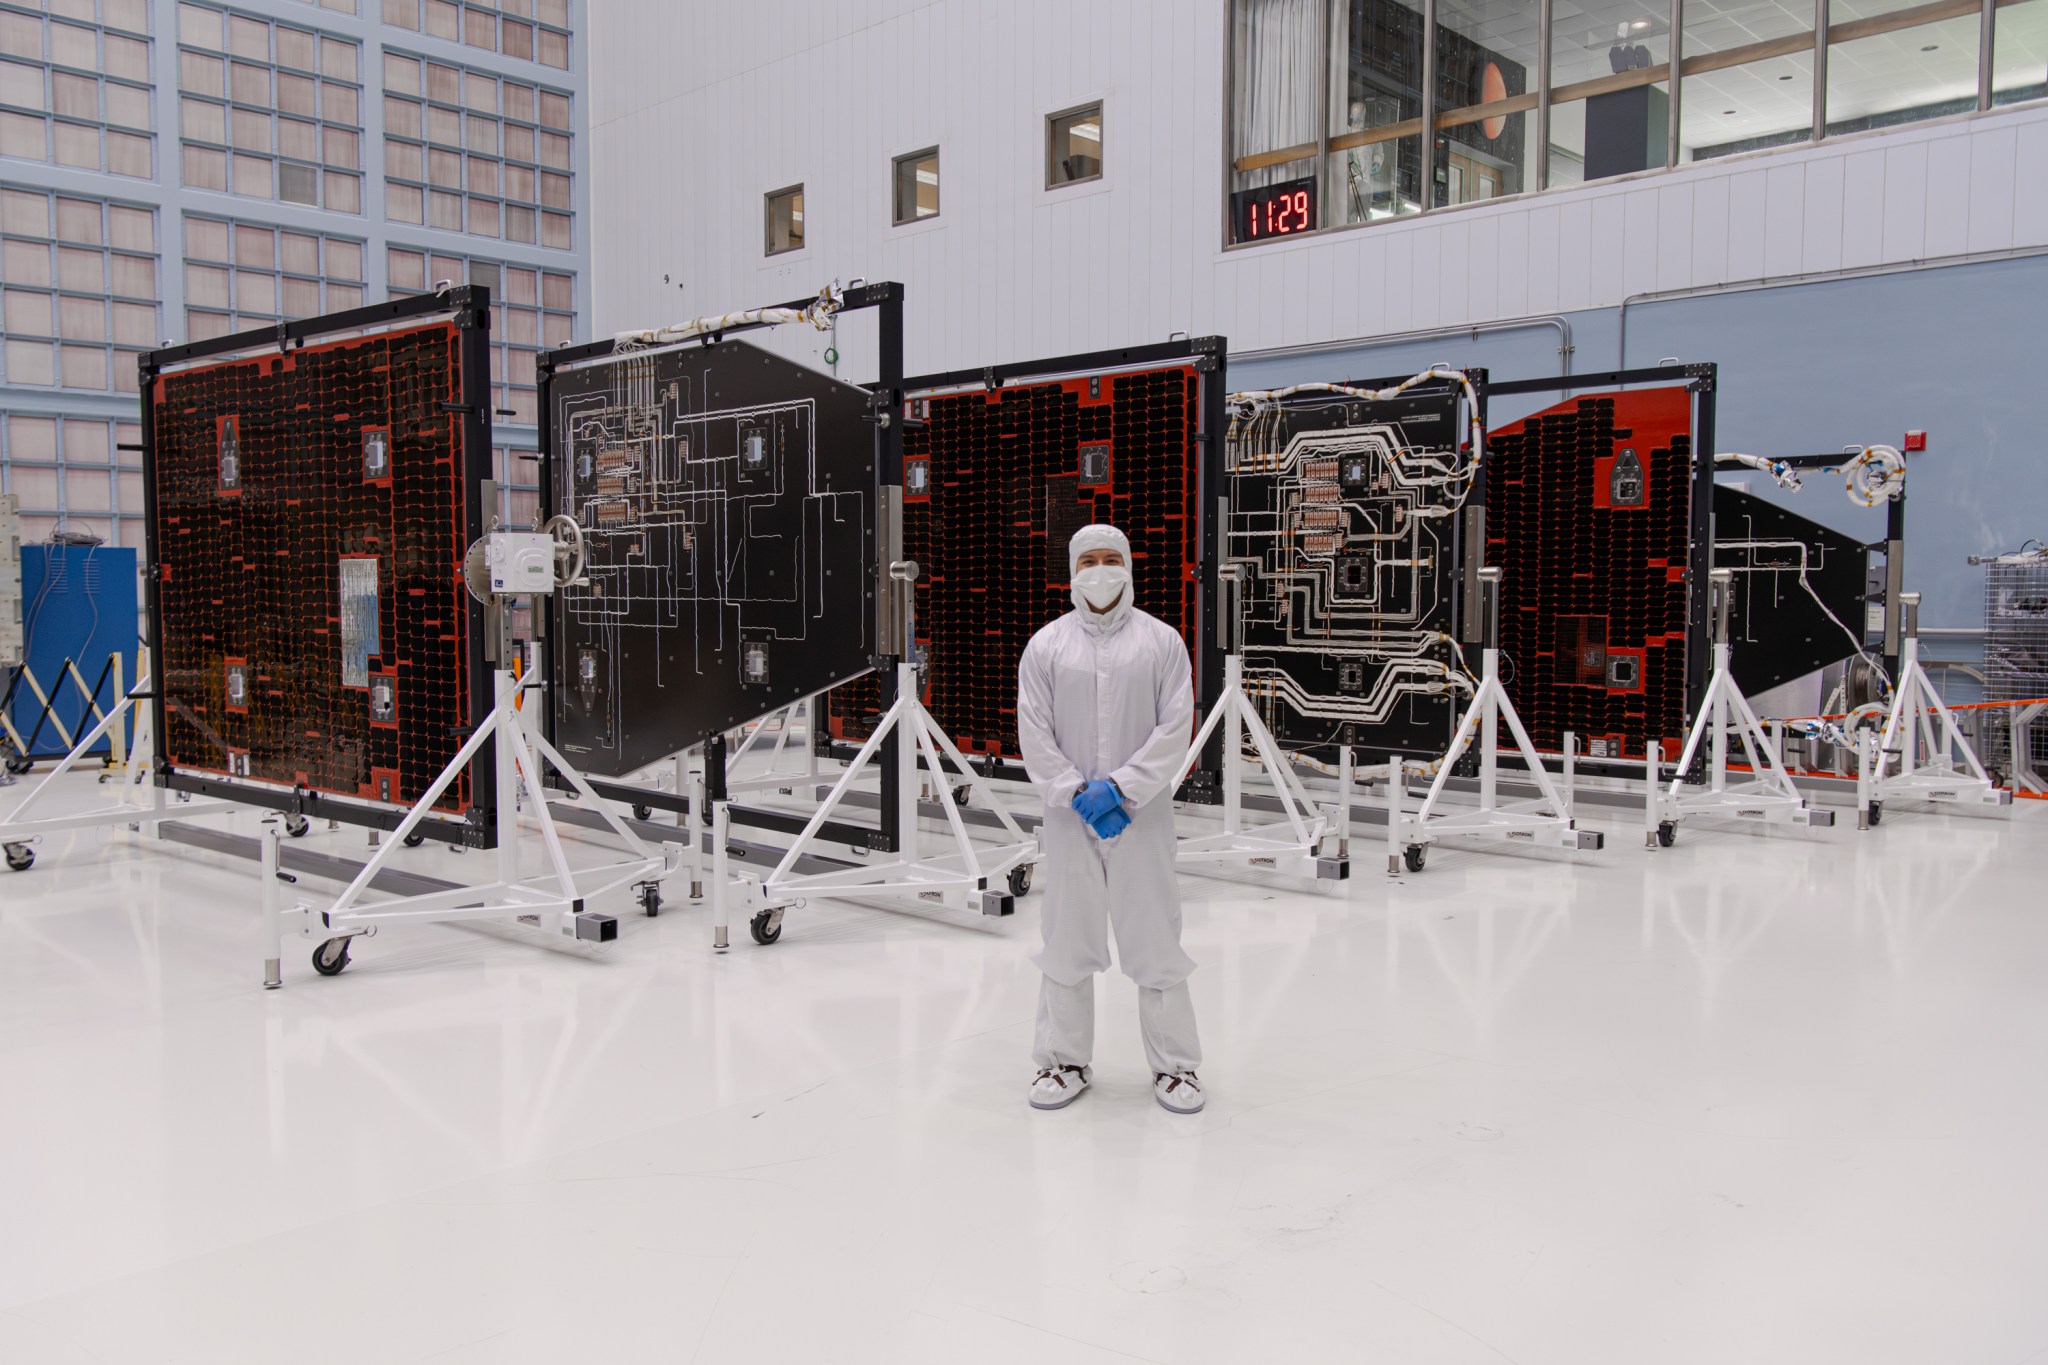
{"points": [[1100, 586]]}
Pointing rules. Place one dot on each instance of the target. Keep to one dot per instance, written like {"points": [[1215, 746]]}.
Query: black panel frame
{"points": [[469, 308]]}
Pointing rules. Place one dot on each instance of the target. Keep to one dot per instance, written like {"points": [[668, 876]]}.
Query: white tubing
{"points": [[819, 314]]}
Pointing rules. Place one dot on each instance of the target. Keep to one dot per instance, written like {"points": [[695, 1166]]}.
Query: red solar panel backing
{"points": [[309, 531]]}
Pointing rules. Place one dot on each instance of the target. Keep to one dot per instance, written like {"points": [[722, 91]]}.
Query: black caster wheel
{"points": [[961, 794], [1876, 813], [18, 765], [1415, 856], [20, 857], [650, 900], [414, 839], [763, 934], [1667, 833], [330, 957], [1020, 879], [643, 812], [297, 825]]}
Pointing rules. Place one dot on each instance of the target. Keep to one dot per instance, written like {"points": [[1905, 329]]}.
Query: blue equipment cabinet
{"points": [[78, 603]]}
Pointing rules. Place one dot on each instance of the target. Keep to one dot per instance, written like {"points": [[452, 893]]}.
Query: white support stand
{"points": [[1768, 795], [775, 777], [1922, 733], [1545, 819], [1291, 845], [21, 831], [967, 878]]}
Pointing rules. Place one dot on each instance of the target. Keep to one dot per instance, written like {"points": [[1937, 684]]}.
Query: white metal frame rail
{"points": [[1927, 761]]}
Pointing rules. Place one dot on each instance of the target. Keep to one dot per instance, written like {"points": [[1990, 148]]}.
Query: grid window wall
{"points": [[78, 290], [243, 275], [269, 111], [467, 152], [75, 85], [531, 311], [1346, 112], [71, 473], [531, 30]]}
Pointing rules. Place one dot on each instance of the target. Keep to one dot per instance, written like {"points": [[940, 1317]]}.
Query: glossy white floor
{"points": [[1759, 1098]]}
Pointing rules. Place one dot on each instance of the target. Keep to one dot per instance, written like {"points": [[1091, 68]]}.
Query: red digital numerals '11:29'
{"points": [[1282, 213]]}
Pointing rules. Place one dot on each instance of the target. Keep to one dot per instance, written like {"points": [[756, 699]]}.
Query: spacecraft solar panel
{"points": [[1344, 530], [1589, 514], [727, 499], [309, 507], [995, 482], [1782, 628]]}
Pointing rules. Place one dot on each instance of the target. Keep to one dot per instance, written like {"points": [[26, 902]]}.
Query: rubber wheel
{"points": [[20, 857], [18, 765], [297, 825], [1876, 813], [414, 839], [331, 957], [961, 794], [762, 933], [650, 900], [1667, 833], [643, 812], [1020, 879], [1415, 856]]}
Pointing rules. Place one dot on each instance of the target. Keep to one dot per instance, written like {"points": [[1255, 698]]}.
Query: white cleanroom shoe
{"points": [[1056, 1087], [1179, 1093]]}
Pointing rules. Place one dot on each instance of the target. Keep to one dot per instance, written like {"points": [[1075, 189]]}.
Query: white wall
{"points": [[698, 109]]}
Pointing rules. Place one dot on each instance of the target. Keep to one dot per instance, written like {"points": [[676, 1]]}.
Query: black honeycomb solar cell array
{"points": [[251, 574], [1005, 470], [1578, 570]]}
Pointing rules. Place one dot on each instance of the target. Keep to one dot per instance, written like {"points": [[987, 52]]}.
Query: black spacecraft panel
{"points": [[727, 497], [1348, 568], [1779, 630]]}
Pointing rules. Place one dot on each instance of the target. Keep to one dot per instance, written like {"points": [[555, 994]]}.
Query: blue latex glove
{"points": [[1113, 823], [1096, 800]]}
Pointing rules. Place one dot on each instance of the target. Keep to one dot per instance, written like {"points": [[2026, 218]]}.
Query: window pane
{"points": [[297, 184], [297, 94], [252, 177], [482, 134], [916, 189], [403, 13], [340, 296], [341, 104], [251, 84], [297, 49], [76, 146], [205, 169], [518, 224], [85, 367], [518, 101], [22, 135], [554, 193], [404, 161], [401, 117], [408, 269], [255, 247], [25, 262], [444, 20], [206, 286], [554, 50], [1485, 101], [127, 58], [554, 110], [31, 362], [248, 38], [299, 253], [301, 298], [255, 293], [554, 151], [85, 442], [344, 191], [519, 286], [344, 259], [132, 15], [444, 83], [133, 229], [2019, 59], [444, 126], [481, 92], [483, 217], [518, 142], [519, 182], [444, 211], [129, 154], [127, 105], [75, 96], [517, 39], [480, 30], [77, 47], [206, 326], [1884, 68], [1748, 79], [22, 85], [134, 276], [199, 119], [82, 319], [1074, 139], [558, 291], [206, 240], [444, 169], [28, 314], [337, 59], [78, 220], [81, 269], [1276, 93], [342, 148], [402, 204], [297, 139], [483, 175], [785, 220], [401, 74], [25, 212], [1610, 96], [200, 75], [251, 130]]}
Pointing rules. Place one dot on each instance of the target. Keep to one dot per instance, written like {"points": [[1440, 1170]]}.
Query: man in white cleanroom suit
{"points": [[1105, 711]]}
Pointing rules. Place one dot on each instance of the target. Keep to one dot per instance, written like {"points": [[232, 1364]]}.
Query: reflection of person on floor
{"points": [[1105, 710]]}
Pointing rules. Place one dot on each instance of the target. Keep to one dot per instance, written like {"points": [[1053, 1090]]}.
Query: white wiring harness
{"points": [[819, 313], [1252, 400], [1785, 474], [1876, 474]]}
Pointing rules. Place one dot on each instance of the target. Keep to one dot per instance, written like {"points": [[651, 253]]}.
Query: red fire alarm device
{"points": [[1915, 441]]}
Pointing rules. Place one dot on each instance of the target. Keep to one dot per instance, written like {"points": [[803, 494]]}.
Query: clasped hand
{"points": [[1101, 805]]}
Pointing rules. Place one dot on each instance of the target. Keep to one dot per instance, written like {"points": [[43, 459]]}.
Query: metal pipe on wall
{"points": [[1474, 330]]}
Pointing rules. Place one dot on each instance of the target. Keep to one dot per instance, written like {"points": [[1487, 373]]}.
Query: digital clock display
{"points": [[1275, 210]]}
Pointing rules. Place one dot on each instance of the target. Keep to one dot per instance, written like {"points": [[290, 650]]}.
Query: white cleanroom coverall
{"points": [[1113, 701]]}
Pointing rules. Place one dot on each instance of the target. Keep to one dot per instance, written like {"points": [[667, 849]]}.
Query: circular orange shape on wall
{"points": [[1492, 86]]}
